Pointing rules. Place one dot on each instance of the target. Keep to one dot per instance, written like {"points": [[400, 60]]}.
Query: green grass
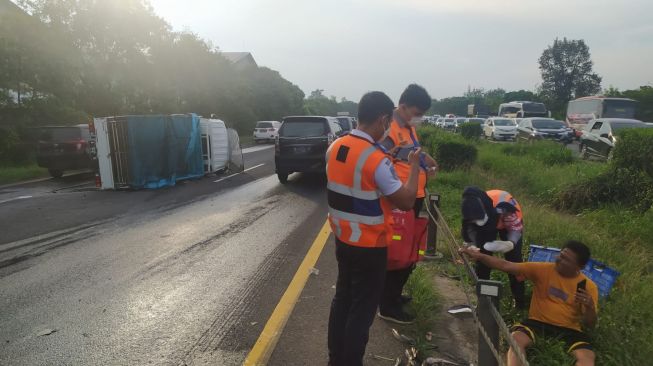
{"points": [[621, 238], [10, 174], [425, 305]]}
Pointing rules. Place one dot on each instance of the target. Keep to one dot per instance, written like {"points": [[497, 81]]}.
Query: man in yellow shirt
{"points": [[564, 300]]}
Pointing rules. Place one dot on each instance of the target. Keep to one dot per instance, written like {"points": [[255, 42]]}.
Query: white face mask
{"points": [[415, 121], [482, 221]]}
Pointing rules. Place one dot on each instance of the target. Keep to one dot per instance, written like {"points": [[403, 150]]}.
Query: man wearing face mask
{"points": [[401, 141], [486, 215], [362, 188]]}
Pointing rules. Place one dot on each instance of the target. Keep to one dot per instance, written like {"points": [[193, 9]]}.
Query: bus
{"points": [[522, 109], [582, 110]]}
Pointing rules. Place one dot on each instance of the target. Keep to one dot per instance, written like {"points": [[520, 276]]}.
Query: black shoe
{"points": [[405, 299], [399, 317]]}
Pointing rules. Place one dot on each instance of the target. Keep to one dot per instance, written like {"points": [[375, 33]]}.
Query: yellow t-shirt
{"points": [[553, 295]]}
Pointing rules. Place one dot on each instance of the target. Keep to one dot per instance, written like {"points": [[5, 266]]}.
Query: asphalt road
{"points": [[184, 275]]}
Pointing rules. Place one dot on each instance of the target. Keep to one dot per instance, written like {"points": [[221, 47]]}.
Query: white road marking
{"points": [[16, 199], [257, 148], [229, 176]]}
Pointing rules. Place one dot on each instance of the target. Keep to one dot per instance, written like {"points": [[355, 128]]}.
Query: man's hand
{"points": [[472, 252], [583, 298], [431, 164], [413, 156]]}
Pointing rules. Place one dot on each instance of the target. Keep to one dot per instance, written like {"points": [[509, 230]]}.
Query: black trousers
{"points": [[517, 288], [361, 274], [396, 280]]}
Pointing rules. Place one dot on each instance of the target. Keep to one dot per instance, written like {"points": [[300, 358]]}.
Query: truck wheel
{"points": [[283, 177], [55, 173]]}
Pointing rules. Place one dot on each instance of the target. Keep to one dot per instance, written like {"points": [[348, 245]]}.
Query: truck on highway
{"points": [[478, 110], [523, 109]]}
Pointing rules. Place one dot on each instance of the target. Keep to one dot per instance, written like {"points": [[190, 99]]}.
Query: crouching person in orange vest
{"points": [[362, 189], [401, 141]]}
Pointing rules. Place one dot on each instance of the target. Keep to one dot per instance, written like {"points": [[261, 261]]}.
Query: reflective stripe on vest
{"points": [[354, 192], [356, 208]]}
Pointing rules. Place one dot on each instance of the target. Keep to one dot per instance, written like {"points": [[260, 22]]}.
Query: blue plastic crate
{"points": [[602, 275]]}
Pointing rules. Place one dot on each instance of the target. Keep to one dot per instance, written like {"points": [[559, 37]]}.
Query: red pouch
{"points": [[401, 251], [419, 238]]}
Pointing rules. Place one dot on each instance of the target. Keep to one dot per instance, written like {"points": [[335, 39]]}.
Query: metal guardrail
{"points": [[487, 318]]}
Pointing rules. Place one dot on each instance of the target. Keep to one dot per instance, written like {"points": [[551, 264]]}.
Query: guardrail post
{"points": [[488, 292], [432, 234]]}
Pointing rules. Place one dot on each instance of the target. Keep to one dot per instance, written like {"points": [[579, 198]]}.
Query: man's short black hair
{"points": [[416, 96], [373, 105], [581, 250]]}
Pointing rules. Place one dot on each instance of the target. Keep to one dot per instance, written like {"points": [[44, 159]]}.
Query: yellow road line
{"points": [[267, 341]]}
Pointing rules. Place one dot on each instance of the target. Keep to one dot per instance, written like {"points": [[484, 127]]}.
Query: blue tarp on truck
{"points": [[149, 151], [163, 150]]}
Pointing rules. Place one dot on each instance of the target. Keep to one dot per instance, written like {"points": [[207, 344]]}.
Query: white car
{"points": [[266, 131], [449, 124], [498, 128]]}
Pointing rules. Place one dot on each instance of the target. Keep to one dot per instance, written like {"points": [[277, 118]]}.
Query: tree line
{"points": [[567, 73], [63, 62]]}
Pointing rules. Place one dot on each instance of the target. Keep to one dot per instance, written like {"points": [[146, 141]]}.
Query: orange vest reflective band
{"points": [[499, 196], [358, 214], [400, 136]]}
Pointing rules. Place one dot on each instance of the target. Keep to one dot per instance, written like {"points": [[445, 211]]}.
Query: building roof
{"points": [[240, 58]]}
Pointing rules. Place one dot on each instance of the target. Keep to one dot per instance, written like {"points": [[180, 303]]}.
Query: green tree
{"points": [[566, 69]]}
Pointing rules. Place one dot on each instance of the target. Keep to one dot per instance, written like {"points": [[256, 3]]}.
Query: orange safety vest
{"points": [[401, 136], [499, 196], [358, 213]]}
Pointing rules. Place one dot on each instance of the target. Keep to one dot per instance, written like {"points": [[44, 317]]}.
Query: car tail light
{"points": [[271, 129], [80, 144]]}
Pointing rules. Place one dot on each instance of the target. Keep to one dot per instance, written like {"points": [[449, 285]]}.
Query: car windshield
{"points": [[477, 120], [264, 125], [303, 128], [622, 126], [344, 122], [448, 120], [618, 109], [60, 134], [534, 107], [503, 122], [548, 124]]}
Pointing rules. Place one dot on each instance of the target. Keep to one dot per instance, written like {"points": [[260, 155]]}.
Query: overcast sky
{"points": [[348, 47]]}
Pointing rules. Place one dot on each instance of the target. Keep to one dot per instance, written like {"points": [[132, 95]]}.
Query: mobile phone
{"points": [[581, 284]]}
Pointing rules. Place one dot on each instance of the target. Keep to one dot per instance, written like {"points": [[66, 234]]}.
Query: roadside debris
{"points": [[377, 357], [45, 332], [460, 309], [402, 338], [314, 271], [433, 361]]}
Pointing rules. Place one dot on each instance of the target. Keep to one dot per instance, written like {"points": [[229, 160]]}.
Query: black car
{"points": [[302, 144], [600, 136], [530, 129], [64, 148]]}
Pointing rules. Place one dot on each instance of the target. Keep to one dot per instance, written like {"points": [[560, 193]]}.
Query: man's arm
{"points": [[404, 197], [492, 262]]}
